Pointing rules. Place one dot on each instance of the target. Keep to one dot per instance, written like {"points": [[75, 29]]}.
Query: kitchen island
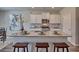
{"points": [[34, 37], [37, 37]]}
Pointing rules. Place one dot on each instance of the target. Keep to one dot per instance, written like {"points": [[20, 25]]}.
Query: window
{"points": [[16, 22]]}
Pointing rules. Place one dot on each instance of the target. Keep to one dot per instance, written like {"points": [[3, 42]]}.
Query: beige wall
{"points": [[77, 25], [3, 19], [69, 22]]}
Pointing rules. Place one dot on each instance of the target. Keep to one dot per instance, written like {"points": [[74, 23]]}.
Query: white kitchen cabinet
{"points": [[46, 15], [35, 18], [55, 19], [32, 18], [39, 18], [67, 23]]}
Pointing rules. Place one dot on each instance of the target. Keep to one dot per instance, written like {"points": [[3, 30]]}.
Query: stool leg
{"points": [[24, 49], [54, 48], [37, 49], [14, 49], [27, 49], [67, 49], [18, 49], [46, 49], [57, 49], [63, 49]]}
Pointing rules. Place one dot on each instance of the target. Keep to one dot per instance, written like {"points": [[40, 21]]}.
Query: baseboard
{"points": [[74, 44]]}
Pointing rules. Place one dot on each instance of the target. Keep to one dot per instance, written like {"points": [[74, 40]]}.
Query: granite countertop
{"points": [[19, 34]]}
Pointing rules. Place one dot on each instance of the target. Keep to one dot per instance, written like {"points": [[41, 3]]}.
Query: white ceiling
{"points": [[45, 9]]}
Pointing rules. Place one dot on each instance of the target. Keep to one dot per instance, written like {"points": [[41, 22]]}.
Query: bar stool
{"points": [[61, 45], [42, 45], [20, 45]]}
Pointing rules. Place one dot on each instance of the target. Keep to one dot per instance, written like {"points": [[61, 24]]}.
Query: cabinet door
{"points": [[33, 18], [36, 18], [67, 23], [55, 19], [52, 19]]}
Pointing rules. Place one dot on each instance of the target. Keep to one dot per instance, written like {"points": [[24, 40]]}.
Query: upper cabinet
{"points": [[36, 18], [55, 18], [45, 15]]}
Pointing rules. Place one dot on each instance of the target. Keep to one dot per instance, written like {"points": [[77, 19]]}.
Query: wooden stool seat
{"points": [[21, 45], [60, 45], [42, 45]]}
